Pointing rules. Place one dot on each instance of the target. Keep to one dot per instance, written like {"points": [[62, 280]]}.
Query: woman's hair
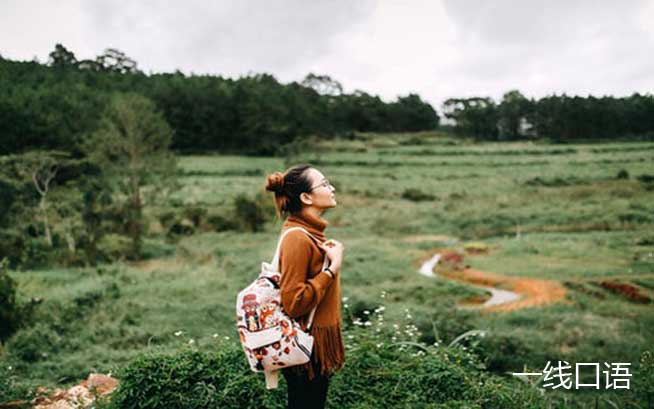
{"points": [[288, 187]]}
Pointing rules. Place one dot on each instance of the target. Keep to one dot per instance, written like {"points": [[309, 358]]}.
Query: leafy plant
{"points": [[417, 195], [383, 359], [250, 213], [9, 309]]}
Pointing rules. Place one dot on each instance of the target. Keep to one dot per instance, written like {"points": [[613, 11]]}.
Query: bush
{"points": [[416, 195], [644, 384], [622, 174], [250, 213], [181, 228], [114, 246], [218, 222], [12, 244], [9, 310], [34, 343], [381, 362], [195, 214], [500, 353], [10, 387], [193, 379]]}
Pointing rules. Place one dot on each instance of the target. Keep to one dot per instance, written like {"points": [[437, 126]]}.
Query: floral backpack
{"points": [[270, 338]]}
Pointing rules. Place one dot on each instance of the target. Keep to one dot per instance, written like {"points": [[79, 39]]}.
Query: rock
{"points": [[78, 396]]}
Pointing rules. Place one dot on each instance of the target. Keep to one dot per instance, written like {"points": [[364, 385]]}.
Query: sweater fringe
{"points": [[328, 353]]}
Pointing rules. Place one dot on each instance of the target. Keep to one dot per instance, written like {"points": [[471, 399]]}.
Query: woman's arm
{"points": [[299, 293]]}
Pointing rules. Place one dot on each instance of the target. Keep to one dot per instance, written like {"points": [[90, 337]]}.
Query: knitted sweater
{"points": [[303, 286]]}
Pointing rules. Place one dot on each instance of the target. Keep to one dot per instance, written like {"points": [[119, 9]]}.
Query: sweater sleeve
{"points": [[299, 293]]}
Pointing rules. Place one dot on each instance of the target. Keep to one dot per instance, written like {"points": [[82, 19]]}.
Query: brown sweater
{"points": [[304, 285]]}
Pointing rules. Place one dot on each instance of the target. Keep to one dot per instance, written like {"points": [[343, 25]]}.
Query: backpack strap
{"points": [[275, 262], [271, 379]]}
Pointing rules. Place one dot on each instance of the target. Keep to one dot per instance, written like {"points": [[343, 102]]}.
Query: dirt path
{"points": [[515, 292]]}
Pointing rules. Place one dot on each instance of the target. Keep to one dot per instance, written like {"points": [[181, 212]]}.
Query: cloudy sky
{"points": [[437, 48]]}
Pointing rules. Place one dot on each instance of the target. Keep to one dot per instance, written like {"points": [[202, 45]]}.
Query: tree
{"points": [[40, 168], [62, 57], [322, 84], [512, 113], [132, 148], [411, 113], [475, 116], [116, 61], [42, 176]]}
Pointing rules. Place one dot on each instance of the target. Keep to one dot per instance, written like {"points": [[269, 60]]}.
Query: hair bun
{"points": [[275, 182]]}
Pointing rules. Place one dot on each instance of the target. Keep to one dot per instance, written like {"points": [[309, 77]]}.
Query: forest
{"points": [[56, 105]]}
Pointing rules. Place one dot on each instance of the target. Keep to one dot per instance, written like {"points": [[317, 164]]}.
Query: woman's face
{"points": [[322, 192]]}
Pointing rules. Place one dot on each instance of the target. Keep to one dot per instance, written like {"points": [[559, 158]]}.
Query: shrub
{"points": [[114, 246], [416, 195], [644, 384], [250, 213], [193, 379], [12, 244], [181, 228], [500, 353], [34, 343], [9, 310], [381, 362], [218, 222], [10, 387], [195, 214], [167, 219], [622, 174]]}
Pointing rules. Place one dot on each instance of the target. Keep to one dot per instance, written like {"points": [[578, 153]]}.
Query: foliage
{"points": [[10, 316], [558, 117], [10, 387], [58, 105], [644, 384], [475, 116], [251, 213], [34, 343], [404, 371], [622, 174], [416, 195], [131, 146], [51, 213]]}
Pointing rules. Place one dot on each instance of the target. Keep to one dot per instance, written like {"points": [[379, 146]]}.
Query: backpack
{"points": [[270, 338]]}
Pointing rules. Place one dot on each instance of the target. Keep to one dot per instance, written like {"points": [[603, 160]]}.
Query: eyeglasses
{"points": [[324, 183]]}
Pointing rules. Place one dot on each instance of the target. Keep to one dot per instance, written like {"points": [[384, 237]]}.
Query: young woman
{"points": [[302, 194]]}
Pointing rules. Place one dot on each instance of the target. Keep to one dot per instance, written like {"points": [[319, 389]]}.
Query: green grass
{"points": [[583, 225]]}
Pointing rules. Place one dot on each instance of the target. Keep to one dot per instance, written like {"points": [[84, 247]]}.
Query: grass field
{"points": [[579, 214]]}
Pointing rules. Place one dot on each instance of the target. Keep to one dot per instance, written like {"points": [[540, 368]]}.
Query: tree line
{"points": [[58, 104], [560, 118]]}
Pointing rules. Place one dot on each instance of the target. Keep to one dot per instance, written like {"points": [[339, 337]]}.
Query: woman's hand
{"points": [[334, 253]]}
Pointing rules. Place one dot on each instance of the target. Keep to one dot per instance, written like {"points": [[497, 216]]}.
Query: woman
{"points": [[302, 194]]}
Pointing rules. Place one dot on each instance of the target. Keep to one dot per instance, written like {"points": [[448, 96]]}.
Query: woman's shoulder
{"points": [[297, 239], [296, 235]]}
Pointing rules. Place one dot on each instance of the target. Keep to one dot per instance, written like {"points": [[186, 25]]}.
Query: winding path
{"points": [[525, 292]]}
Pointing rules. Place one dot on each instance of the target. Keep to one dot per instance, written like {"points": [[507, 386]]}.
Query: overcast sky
{"points": [[439, 49]]}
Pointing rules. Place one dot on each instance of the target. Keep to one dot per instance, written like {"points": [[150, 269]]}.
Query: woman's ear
{"points": [[306, 199]]}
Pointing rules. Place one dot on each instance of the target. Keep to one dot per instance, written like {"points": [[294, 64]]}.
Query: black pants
{"points": [[304, 393]]}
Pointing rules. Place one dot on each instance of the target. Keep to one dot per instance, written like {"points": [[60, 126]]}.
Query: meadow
{"points": [[581, 215]]}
